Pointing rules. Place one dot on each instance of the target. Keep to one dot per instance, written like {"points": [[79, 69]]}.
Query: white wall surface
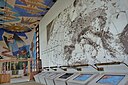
{"points": [[58, 7], [75, 38]]}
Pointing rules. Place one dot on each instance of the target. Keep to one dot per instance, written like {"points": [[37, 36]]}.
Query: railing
{"points": [[14, 61]]}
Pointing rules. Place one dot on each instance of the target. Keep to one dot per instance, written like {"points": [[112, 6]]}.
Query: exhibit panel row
{"points": [[81, 78]]}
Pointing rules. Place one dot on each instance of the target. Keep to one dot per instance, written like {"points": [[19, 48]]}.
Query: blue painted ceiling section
{"points": [[3, 4], [23, 12], [24, 15]]}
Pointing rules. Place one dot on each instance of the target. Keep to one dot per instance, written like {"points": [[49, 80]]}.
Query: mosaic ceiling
{"points": [[22, 15]]}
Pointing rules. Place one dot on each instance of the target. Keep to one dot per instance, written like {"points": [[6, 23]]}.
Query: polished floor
{"points": [[23, 83]]}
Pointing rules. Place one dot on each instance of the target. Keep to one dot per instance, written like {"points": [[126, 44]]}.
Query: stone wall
{"points": [[89, 31]]}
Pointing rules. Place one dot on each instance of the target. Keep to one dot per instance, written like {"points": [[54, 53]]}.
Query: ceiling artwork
{"points": [[22, 15]]}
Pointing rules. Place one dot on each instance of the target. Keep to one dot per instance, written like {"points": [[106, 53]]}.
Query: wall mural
{"points": [[18, 20], [15, 45], [34, 50], [89, 31], [23, 15]]}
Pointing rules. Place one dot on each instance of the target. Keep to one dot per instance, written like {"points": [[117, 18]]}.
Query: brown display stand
{"points": [[4, 78]]}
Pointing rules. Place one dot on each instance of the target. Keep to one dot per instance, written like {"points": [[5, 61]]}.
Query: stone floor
{"points": [[23, 83]]}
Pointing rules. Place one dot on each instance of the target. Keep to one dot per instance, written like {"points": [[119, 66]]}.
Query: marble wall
{"points": [[89, 31]]}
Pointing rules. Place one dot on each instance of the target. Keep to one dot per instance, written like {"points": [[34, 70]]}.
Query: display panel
{"points": [[110, 79], [83, 77], [66, 75], [54, 75]]}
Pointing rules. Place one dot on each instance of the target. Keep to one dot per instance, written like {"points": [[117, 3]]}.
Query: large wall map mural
{"points": [[89, 31]]}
